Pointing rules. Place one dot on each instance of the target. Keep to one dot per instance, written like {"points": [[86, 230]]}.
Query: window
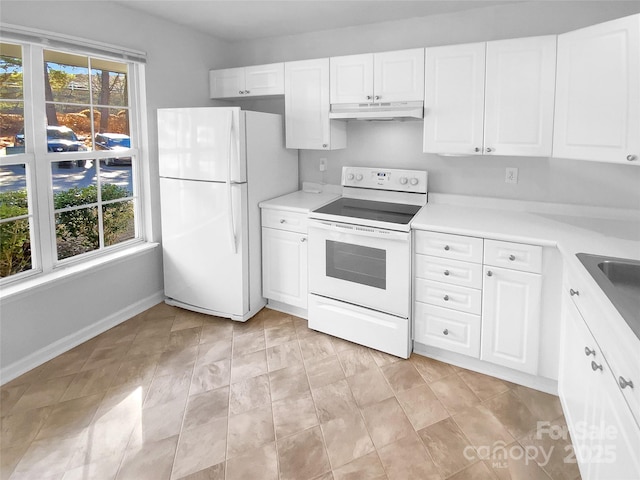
{"points": [[69, 156]]}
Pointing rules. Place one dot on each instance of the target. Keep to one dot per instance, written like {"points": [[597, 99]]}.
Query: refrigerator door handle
{"points": [[232, 228]]}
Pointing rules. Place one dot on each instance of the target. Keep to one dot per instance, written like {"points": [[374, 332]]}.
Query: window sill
{"points": [[23, 287]]}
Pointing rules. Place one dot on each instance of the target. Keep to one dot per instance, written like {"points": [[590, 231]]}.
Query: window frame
{"points": [[38, 161]]}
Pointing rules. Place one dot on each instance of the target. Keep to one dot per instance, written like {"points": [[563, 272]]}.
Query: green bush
{"points": [[76, 230], [15, 247]]}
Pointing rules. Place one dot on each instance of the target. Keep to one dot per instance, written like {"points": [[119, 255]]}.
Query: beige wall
{"points": [[400, 144]]}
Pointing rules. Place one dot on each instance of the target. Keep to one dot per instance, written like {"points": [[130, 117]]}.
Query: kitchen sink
{"points": [[619, 279]]}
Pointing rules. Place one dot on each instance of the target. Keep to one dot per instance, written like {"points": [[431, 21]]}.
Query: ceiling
{"points": [[242, 20]]}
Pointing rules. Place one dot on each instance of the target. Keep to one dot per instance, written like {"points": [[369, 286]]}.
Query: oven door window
{"points": [[357, 264]]}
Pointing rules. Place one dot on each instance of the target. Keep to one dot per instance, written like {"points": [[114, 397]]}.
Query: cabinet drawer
{"points": [[448, 329], [516, 256], [449, 271], [456, 247], [449, 296], [284, 220]]}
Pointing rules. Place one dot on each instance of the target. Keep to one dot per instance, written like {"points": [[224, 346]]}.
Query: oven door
{"points": [[365, 266]]}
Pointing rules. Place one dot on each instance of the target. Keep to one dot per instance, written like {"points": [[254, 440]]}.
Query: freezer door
{"points": [[202, 143], [205, 262]]}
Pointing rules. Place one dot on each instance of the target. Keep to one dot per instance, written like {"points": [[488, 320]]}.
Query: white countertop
{"points": [[300, 201]]}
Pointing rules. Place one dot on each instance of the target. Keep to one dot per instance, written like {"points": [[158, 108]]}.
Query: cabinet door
{"points": [[225, 83], [306, 99], [604, 434], [284, 267], [519, 95], [352, 78], [597, 113], [511, 318], [264, 79], [399, 76], [454, 99]]}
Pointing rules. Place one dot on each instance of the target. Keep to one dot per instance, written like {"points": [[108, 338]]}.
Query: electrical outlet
{"points": [[323, 164], [511, 176]]}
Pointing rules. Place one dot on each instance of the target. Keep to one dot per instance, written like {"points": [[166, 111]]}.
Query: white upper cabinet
{"points": [[378, 77], [519, 94], [257, 80], [492, 98], [597, 113], [454, 99], [306, 97]]}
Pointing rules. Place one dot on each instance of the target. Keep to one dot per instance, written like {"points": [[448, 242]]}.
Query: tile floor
{"points": [[172, 394]]}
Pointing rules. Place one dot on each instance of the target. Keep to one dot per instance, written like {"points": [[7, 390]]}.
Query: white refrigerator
{"points": [[216, 164]]}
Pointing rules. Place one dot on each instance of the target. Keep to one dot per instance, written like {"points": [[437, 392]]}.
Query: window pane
{"points": [[11, 72], [13, 191], [72, 132], [118, 222], [112, 125], [15, 246], [74, 183], [109, 83], [66, 78], [11, 128], [77, 232], [116, 180]]}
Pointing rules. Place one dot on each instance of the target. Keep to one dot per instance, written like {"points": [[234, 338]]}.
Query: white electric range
{"points": [[360, 258]]}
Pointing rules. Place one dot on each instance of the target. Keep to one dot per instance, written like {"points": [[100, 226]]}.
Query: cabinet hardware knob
{"points": [[446, 332], [446, 247], [240, 92], [377, 97], [624, 383], [446, 298], [588, 351], [446, 273], [595, 367], [512, 257], [489, 273], [247, 91], [368, 97], [489, 149], [324, 145], [573, 292], [477, 149], [632, 158], [282, 220], [303, 239]]}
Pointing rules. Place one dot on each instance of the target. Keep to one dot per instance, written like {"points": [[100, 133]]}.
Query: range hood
{"points": [[377, 111]]}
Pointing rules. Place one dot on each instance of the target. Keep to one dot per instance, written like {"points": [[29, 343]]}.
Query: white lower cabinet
{"points": [[284, 257], [478, 307], [604, 434], [511, 318]]}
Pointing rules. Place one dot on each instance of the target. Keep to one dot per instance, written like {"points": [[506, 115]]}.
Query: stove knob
{"points": [[350, 176], [413, 181], [359, 177], [403, 180]]}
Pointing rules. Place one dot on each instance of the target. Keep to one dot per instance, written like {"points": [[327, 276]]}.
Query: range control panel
{"points": [[414, 181]]}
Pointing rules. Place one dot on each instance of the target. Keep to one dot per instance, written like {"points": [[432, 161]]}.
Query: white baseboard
{"points": [[290, 309], [37, 358]]}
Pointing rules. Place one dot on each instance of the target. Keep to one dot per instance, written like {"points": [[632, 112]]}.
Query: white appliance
{"points": [[360, 258], [216, 165]]}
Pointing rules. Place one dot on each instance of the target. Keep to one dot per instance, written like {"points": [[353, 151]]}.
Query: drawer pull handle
{"points": [[512, 257], [446, 332], [446, 273], [489, 273], [446, 298], [624, 383], [588, 351], [595, 367], [282, 220], [303, 239], [446, 247], [573, 292]]}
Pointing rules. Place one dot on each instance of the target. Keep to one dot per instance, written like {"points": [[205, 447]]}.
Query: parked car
{"points": [[59, 139], [114, 142]]}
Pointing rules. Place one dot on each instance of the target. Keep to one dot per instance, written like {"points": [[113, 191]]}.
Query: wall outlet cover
{"points": [[511, 175]]}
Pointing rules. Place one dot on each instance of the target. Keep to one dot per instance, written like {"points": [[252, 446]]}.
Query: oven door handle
{"points": [[358, 230]]}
